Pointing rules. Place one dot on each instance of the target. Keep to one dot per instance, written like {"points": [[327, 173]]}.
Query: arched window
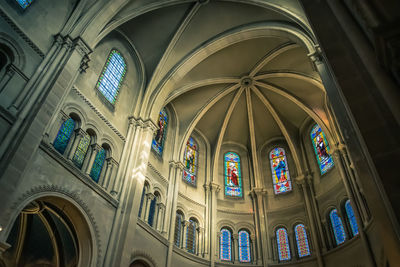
{"points": [[351, 218], [233, 177], [98, 164], [64, 135], [244, 246], [152, 211], [280, 171], [24, 3], [301, 240], [191, 158], [283, 244], [111, 78], [321, 149], [159, 139], [337, 227], [225, 244], [191, 236], [81, 150], [178, 229], [144, 191]]}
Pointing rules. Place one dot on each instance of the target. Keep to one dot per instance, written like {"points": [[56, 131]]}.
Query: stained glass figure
{"points": [[283, 244], [152, 211], [178, 229], [191, 157], [64, 135], [233, 178], [301, 240], [191, 236], [111, 78], [280, 171], [337, 226], [351, 217], [24, 3], [98, 164], [244, 246], [81, 150], [225, 245], [321, 149], [159, 139]]}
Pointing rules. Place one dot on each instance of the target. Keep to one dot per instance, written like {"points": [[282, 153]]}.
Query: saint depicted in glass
{"points": [[283, 244], [111, 78], [159, 139], [351, 218], [280, 171], [301, 240], [233, 178], [244, 246], [321, 148], [225, 245], [337, 227], [64, 135], [191, 157]]}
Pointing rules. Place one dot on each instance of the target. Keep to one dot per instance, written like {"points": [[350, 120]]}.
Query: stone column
{"points": [[207, 226], [264, 234], [214, 189], [109, 176], [218, 250], [257, 251], [160, 217], [235, 248], [149, 197], [95, 149], [253, 248], [73, 144], [301, 181]]}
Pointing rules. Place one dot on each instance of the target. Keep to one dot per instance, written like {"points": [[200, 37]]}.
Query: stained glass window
{"points": [[111, 78], [142, 201], [81, 150], [244, 246], [283, 244], [64, 135], [280, 171], [191, 157], [152, 211], [301, 240], [178, 229], [337, 226], [351, 217], [98, 164], [225, 244], [191, 236], [321, 149], [233, 178], [24, 3], [159, 139]]}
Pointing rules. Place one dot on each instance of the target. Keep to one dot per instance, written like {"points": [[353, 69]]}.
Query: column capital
{"points": [[64, 116], [80, 132], [150, 196], [252, 237], [161, 205], [258, 191], [143, 123], [112, 161], [96, 147], [300, 179], [206, 187], [235, 236], [316, 55], [214, 187]]}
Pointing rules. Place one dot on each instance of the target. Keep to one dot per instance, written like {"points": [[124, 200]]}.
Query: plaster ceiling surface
{"points": [[265, 81]]}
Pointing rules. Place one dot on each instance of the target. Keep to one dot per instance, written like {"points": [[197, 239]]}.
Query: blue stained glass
{"points": [[283, 244], [280, 171], [24, 3], [111, 78], [225, 245], [233, 176], [178, 229], [321, 149], [81, 151], [142, 200], [98, 164], [191, 157], [152, 211], [351, 217], [244, 246], [64, 135], [337, 226], [191, 237], [302, 241], [159, 139]]}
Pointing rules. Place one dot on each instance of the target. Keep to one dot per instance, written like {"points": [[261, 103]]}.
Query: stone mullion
{"points": [[94, 149], [149, 197], [253, 248], [160, 217], [291, 244], [207, 225], [112, 166], [235, 248]]}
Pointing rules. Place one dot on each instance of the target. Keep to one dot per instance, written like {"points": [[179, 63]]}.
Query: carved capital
{"points": [[80, 132], [214, 187], [111, 161], [300, 180], [96, 147], [316, 55], [150, 196], [258, 191], [235, 236]]}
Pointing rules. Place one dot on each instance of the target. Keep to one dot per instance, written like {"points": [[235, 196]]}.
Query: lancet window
{"points": [[233, 176], [321, 149], [159, 139], [191, 161], [280, 171]]}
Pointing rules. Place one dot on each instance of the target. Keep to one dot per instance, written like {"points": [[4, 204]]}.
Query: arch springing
{"points": [[64, 135], [244, 246], [191, 158], [280, 171], [351, 218], [303, 248], [225, 244], [159, 139], [337, 227], [283, 244], [233, 177], [321, 149], [112, 76]]}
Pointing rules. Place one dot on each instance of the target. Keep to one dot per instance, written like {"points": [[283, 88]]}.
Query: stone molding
{"points": [[163, 179], [98, 113], [235, 212], [142, 255], [191, 200]]}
